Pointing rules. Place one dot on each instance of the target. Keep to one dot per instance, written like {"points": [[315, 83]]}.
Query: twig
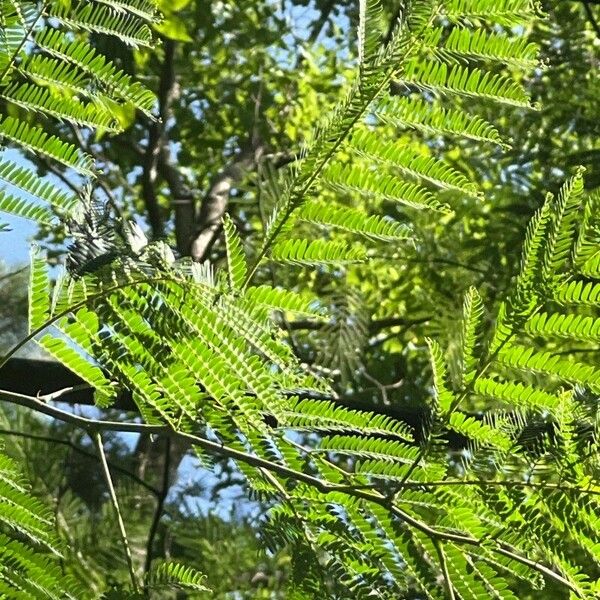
{"points": [[94, 427], [320, 23], [506, 484], [99, 179], [97, 438], [591, 17], [63, 392], [16, 50], [60, 175], [160, 502], [444, 567], [76, 448], [383, 387], [375, 325], [449, 262], [13, 273]]}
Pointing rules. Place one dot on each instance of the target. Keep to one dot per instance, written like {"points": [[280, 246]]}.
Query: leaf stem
{"points": [[76, 306]]}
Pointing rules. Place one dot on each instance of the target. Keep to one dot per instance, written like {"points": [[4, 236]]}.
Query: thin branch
{"points": [[97, 438], [320, 23], [59, 174], [510, 552], [370, 495], [591, 17], [382, 387], [82, 452], [444, 567], [500, 547], [92, 425], [156, 133], [13, 273], [449, 262], [375, 325], [505, 484], [53, 396], [162, 496]]}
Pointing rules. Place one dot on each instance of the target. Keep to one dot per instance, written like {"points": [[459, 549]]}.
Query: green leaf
{"points": [[316, 252], [39, 289], [174, 28], [236, 260]]}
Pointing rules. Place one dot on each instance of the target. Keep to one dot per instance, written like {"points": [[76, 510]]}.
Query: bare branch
{"points": [[13, 273], [214, 204], [591, 17], [82, 452], [97, 438]]}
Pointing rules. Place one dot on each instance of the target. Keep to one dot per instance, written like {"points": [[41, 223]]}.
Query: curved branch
{"points": [[82, 452], [214, 204], [367, 493]]}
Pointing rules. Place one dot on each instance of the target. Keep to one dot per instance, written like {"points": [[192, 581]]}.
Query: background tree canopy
{"points": [[308, 324]]}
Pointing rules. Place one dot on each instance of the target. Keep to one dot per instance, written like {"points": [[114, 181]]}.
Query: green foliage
{"points": [[418, 61], [364, 509], [202, 327], [173, 576], [50, 72], [29, 548]]}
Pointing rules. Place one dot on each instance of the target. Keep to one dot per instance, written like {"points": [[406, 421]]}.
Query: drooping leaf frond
{"points": [[284, 300], [46, 71], [471, 333], [38, 142], [39, 288], [433, 50], [433, 118], [25, 184], [368, 183], [317, 252], [130, 28]]}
